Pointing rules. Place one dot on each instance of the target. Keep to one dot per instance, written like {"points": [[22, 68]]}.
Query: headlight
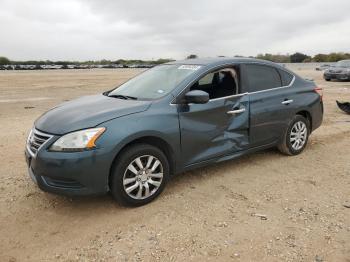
{"points": [[78, 141]]}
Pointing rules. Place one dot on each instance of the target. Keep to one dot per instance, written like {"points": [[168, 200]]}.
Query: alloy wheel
{"points": [[143, 177], [298, 135]]}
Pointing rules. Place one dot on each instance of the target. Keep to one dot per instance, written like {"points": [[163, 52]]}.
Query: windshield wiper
{"points": [[124, 97]]}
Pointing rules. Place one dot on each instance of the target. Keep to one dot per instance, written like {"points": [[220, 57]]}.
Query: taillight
{"points": [[319, 91]]}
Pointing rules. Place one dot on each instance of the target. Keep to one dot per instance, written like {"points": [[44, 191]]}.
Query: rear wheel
{"points": [[296, 137], [327, 79], [139, 175]]}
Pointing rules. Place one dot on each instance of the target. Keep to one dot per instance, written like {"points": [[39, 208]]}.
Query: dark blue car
{"points": [[169, 119]]}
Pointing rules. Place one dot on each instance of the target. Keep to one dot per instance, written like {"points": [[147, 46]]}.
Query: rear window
{"points": [[261, 77], [286, 77]]}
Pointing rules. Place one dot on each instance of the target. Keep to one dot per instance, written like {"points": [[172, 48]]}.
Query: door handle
{"points": [[237, 111], [287, 102]]}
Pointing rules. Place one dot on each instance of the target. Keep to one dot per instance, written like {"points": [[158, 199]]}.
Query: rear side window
{"points": [[286, 77], [261, 77]]}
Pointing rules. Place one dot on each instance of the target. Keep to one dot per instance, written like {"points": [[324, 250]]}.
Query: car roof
{"points": [[220, 60]]}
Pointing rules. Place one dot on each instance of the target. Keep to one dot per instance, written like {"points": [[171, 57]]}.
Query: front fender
{"points": [[122, 131]]}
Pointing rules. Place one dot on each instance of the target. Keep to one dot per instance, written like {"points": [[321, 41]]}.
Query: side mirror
{"points": [[197, 97]]}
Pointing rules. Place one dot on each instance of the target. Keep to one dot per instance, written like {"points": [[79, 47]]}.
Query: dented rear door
{"points": [[215, 129]]}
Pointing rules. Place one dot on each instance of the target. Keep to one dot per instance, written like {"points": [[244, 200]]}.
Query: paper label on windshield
{"points": [[189, 67]]}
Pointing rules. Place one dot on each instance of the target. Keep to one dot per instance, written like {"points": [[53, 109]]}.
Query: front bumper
{"points": [[336, 76], [72, 174]]}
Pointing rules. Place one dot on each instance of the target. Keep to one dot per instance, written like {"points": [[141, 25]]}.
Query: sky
{"points": [[152, 29]]}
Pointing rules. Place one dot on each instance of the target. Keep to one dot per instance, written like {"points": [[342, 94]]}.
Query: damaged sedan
{"points": [[169, 119]]}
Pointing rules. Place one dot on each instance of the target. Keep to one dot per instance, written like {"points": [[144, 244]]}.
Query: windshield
{"points": [[345, 63], [155, 82]]}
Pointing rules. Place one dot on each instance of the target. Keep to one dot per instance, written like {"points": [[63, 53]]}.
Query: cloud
{"points": [[112, 29]]}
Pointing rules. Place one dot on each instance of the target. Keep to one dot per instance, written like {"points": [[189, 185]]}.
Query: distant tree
{"points": [[298, 57], [307, 60], [335, 57], [120, 61], [105, 62], [90, 62], [320, 58], [192, 57], [332, 57], [4, 60], [275, 58], [161, 61], [60, 63]]}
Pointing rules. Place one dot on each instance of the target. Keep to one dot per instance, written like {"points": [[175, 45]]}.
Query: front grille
{"points": [[36, 140]]}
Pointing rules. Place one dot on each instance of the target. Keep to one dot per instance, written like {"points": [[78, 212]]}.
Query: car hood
{"points": [[334, 69], [85, 112]]}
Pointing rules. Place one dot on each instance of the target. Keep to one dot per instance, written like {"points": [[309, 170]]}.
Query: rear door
{"points": [[271, 102]]}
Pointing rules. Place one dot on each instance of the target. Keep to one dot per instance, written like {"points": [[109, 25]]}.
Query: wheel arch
{"points": [[307, 115]]}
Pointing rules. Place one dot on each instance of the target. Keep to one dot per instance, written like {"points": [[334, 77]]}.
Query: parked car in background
{"points": [[169, 119], [340, 71]]}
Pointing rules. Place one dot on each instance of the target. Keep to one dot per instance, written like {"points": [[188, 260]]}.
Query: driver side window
{"points": [[220, 83]]}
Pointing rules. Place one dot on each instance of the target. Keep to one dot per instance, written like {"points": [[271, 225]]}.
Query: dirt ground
{"points": [[206, 214]]}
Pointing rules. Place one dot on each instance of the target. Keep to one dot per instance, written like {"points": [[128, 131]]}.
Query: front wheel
{"points": [[139, 175], [296, 137]]}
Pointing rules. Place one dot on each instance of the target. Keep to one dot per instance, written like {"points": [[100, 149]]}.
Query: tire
{"points": [[132, 185], [327, 79], [288, 144]]}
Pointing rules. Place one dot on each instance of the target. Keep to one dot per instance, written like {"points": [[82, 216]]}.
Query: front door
{"points": [[217, 128]]}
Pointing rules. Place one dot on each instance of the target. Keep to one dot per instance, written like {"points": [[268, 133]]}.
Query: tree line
{"points": [[278, 58], [6, 61], [304, 58], [296, 57]]}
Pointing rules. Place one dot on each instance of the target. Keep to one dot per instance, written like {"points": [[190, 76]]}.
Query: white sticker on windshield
{"points": [[190, 67]]}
